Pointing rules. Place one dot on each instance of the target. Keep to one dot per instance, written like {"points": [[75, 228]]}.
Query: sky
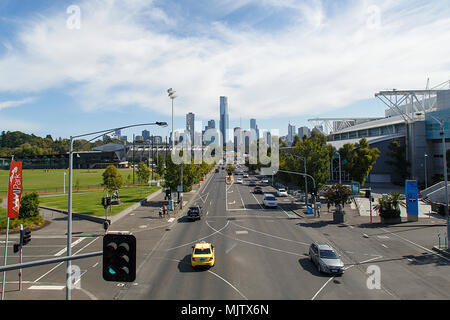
{"points": [[69, 68]]}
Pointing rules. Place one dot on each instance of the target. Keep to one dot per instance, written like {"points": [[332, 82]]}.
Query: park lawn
{"points": [[90, 202], [53, 180]]}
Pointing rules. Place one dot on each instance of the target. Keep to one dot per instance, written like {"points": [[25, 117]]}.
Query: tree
{"points": [[112, 179], [143, 172], [29, 206], [338, 194], [359, 159], [389, 207], [230, 169], [398, 155]]}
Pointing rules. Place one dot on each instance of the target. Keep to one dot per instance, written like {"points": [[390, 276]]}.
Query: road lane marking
{"points": [[186, 244], [270, 235], [37, 280], [324, 285], [171, 219], [65, 249], [384, 245], [241, 232], [46, 287]]}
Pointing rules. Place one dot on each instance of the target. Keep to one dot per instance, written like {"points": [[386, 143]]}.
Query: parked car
{"points": [[326, 258], [269, 200], [252, 183], [265, 180], [282, 192], [245, 175], [239, 180]]}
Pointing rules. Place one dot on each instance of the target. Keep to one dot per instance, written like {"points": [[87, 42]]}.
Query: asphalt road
{"points": [[260, 254]]}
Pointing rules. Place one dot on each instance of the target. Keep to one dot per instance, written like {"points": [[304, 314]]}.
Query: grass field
{"points": [[89, 202], [53, 180]]}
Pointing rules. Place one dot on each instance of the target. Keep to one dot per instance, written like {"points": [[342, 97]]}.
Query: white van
{"points": [[270, 200]]}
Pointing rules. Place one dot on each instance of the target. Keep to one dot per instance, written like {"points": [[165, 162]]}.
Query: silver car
{"points": [[326, 259]]}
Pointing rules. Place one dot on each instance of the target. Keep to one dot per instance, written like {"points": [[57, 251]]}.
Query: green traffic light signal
{"points": [[119, 257]]}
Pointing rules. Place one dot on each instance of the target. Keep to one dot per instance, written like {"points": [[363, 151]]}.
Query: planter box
{"points": [[391, 220], [338, 217]]}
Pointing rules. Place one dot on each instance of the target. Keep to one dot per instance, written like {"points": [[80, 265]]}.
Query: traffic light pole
{"points": [[49, 261], [21, 249]]}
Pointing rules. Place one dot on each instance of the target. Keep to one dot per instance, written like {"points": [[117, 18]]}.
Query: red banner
{"points": [[14, 189]]}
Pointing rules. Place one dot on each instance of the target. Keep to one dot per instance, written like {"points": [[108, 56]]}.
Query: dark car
{"points": [[252, 183], [194, 213], [257, 190]]}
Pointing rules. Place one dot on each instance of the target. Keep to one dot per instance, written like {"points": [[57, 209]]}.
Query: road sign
{"points": [[180, 188], [355, 187], [412, 197]]}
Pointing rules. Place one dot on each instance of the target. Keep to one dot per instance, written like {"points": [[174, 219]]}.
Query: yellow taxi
{"points": [[202, 255]]}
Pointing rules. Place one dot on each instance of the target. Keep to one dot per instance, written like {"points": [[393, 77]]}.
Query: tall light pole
{"points": [[340, 175], [444, 151], [306, 179], [69, 214], [172, 95]]}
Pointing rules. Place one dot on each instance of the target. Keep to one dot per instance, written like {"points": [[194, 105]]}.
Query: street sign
{"points": [[412, 197], [180, 188], [355, 187]]}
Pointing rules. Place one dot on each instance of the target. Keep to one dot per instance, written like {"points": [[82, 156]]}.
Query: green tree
{"points": [[143, 172], [29, 206], [359, 159], [112, 179], [337, 194], [398, 155]]}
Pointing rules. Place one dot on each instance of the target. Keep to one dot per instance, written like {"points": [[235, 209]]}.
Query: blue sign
{"points": [[412, 197], [355, 187]]}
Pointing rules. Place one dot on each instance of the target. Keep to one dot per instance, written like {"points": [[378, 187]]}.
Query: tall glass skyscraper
{"points": [[190, 125], [224, 119]]}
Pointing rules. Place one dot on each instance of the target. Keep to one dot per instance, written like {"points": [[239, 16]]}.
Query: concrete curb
{"points": [[102, 219]]}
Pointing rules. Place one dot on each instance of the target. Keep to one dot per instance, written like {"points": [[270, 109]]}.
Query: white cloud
{"points": [[321, 62], [15, 103]]}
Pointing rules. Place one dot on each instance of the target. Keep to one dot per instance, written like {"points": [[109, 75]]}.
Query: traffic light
{"points": [[25, 236], [106, 201], [119, 257]]}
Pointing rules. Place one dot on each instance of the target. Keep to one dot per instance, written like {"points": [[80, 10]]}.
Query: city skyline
{"points": [[116, 67]]}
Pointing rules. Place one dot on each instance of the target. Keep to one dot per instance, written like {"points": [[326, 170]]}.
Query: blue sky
{"points": [[278, 61]]}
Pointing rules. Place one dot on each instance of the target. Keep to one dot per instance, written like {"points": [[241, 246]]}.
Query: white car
{"points": [[269, 200], [265, 180], [239, 180], [282, 192], [245, 175]]}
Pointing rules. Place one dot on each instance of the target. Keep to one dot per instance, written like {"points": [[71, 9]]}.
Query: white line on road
{"points": [[46, 287], [65, 249], [241, 232]]}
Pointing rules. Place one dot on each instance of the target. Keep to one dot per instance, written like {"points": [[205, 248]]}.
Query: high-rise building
{"points": [[254, 126], [190, 125], [291, 134], [211, 124], [303, 131], [146, 134], [224, 119]]}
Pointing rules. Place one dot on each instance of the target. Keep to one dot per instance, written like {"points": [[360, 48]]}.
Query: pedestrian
{"points": [[328, 206], [106, 226], [165, 210], [160, 212]]}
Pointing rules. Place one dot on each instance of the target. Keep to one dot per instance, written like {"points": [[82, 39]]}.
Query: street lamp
{"points": [[340, 175], [69, 215], [172, 95], [306, 179]]}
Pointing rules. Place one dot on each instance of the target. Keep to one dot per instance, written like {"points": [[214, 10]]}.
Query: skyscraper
{"points": [[291, 134], [146, 135], [303, 131], [224, 119], [190, 121], [254, 126]]}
